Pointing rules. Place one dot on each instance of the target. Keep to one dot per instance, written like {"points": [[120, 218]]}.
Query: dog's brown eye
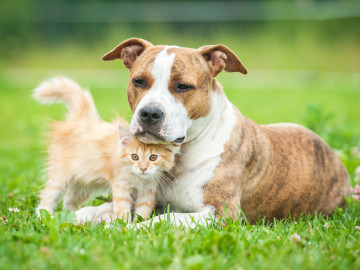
{"points": [[182, 87], [135, 157], [138, 82], [153, 157]]}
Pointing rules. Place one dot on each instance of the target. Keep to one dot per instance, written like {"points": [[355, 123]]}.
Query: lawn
{"points": [[317, 97]]}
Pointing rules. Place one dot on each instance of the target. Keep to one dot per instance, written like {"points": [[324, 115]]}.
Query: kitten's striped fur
{"points": [[88, 155]]}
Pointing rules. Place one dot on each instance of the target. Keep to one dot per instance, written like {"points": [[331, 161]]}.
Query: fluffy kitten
{"points": [[88, 156]]}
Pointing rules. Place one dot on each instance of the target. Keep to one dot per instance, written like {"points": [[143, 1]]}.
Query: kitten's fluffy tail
{"points": [[61, 89]]}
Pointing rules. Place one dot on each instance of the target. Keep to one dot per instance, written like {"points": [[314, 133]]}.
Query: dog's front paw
{"points": [[86, 214], [94, 214]]}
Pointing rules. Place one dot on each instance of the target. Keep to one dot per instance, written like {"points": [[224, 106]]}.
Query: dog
{"points": [[228, 162]]}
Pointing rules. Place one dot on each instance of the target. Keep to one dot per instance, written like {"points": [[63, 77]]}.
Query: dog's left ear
{"points": [[220, 57], [127, 51]]}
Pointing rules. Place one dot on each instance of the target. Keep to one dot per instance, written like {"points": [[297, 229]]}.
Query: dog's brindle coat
{"points": [[228, 160]]}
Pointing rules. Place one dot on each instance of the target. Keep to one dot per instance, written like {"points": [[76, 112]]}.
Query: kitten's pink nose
{"points": [[143, 169]]}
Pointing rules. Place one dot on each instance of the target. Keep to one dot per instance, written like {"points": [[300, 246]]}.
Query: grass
{"points": [[57, 243], [326, 102]]}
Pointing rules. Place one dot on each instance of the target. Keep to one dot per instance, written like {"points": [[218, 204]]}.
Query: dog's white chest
{"points": [[186, 194], [200, 158]]}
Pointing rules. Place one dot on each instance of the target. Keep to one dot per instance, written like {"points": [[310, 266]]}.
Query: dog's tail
{"points": [[61, 89]]}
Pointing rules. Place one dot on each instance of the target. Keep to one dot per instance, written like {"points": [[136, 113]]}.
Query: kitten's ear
{"points": [[124, 134]]}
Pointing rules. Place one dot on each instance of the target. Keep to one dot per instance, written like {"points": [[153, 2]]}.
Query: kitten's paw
{"points": [[125, 216]]}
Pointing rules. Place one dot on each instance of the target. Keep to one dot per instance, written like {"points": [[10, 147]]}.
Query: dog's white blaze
{"points": [[201, 156], [176, 121]]}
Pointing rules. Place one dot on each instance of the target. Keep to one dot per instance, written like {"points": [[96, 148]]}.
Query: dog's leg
{"points": [[105, 212], [204, 218], [95, 214]]}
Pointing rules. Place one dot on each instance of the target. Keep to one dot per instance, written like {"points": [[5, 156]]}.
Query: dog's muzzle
{"points": [[157, 123], [151, 128]]}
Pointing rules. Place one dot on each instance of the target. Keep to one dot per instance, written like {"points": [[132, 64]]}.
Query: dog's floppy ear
{"points": [[128, 51], [220, 57]]}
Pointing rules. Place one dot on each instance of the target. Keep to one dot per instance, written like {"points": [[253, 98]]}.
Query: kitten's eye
{"points": [[153, 157], [138, 82], [182, 87], [135, 157]]}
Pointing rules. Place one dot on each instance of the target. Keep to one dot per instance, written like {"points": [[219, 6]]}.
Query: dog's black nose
{"points": [[150, 115]]}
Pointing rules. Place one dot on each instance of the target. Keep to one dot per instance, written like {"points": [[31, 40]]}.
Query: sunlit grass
{"points": [[294, 78]]}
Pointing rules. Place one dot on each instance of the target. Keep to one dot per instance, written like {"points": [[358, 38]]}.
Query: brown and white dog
{"points": [[227, 160]]}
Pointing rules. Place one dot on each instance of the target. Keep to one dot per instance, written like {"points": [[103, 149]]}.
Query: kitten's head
{"points": [[145, 160]]}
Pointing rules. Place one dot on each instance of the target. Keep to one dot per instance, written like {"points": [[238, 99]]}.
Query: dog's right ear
{"points": [[127, 51]]}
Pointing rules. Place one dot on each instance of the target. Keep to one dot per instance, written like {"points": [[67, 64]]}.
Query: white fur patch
{"points": [[201, 156], [176, 121], [95, 214], [203, 218]]}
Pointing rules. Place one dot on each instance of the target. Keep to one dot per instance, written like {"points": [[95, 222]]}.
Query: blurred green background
{"points": [[303, 58], [297, 52]]}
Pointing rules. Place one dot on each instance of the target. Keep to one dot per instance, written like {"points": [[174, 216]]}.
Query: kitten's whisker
{"points": [[128, 174], [170, 181], [162, 188], [166, 181], [171, 174], [179, 153]]}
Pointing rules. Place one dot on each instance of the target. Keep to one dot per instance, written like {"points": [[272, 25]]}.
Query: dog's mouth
{"points": [[149, 137]]}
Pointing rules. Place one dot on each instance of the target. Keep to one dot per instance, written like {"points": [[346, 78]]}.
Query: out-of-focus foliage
{"points": [[25, 24]]}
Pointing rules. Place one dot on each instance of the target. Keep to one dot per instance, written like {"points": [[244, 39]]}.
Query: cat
{"points": [[87, 155]]}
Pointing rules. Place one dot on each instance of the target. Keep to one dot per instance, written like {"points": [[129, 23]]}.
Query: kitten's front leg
{"points": [[122, 201], [145, 204], [50, 196]]}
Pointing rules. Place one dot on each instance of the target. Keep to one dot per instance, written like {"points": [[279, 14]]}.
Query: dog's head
{"points": [[170, 86]]}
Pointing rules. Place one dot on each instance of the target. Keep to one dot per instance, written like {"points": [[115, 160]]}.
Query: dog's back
{"points": [[303, 175]]}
